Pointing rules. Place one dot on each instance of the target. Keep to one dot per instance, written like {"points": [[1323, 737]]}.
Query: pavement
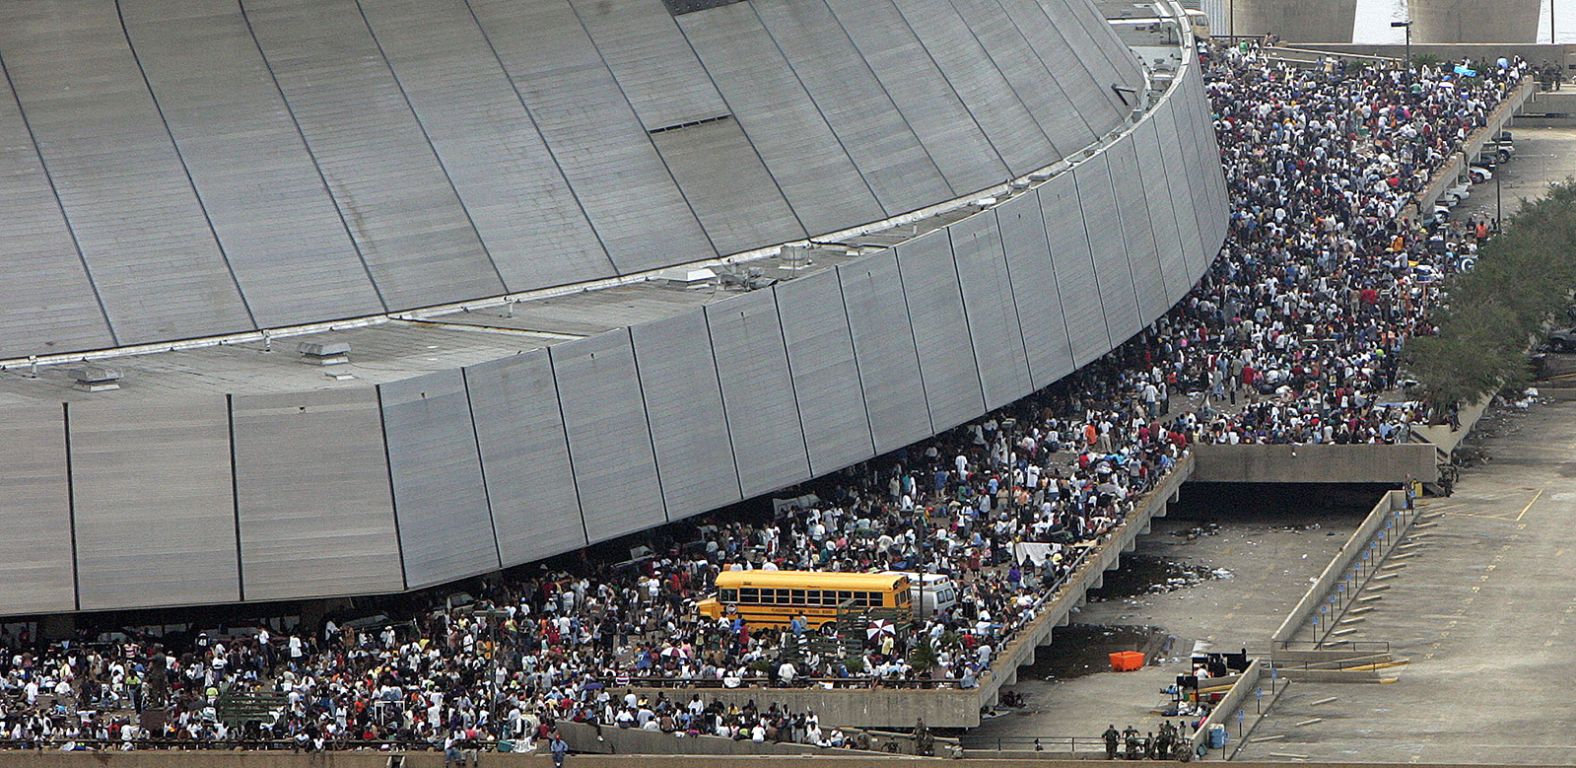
{"points": [[1268, 543], [1543, 156], [1485, 613]]}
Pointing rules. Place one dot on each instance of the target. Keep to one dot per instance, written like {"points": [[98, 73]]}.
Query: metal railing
{"points": [[1060, 745]]}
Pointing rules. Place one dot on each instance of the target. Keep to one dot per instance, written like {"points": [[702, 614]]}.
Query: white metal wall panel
{"points": [[689, 429], [1074, 264], [984, 90], [1172, 152], [1200, 190], [884, 348], [609, 438], [412, 229], [1134, 212], [1114, 274], [1162, 216], [1035, 86], [941, 330], [155, 517], [825, 373], [986, 282], [632, 200], [1036, 291], [734, 195], [525, 457], [803, 154], [312, 496], [141, 229], [35, 512], [1088, 52], [445, 528], [46, 298], [1093, 99], [757, 392], [509, 183], [1211, 182], [1220, 214], [653, 63], [1104, 40], [921, 93], [291, 252], [889, 155]]}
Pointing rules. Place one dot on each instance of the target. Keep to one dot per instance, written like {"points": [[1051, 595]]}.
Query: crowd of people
{"points": [[1292, 337]]}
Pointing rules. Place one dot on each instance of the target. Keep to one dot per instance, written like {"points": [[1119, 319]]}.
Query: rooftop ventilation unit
{"points": [[96, 378], [688, 278], [333, 353]]}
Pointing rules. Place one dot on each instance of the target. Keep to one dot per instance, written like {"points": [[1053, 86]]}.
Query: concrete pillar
{"points": [[1475, 21], [1304, 21]]}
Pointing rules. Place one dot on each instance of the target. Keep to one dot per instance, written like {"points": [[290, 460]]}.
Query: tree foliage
{"points": [[1490, 315]]}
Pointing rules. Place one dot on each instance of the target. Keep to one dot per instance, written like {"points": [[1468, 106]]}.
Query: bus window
{"points": [[902, 598], [729, 595], [812, 597], [750, 596], [797, 596], [844, 596]]}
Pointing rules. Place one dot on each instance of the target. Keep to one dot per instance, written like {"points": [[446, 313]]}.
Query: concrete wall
{"points": [[1293, 20], [505, 462], [1474, 21], [1315, 463], [1533, 52]]}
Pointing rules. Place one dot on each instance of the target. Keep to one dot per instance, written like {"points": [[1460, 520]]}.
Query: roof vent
{"points": [[333, 353], [688, 277], [96, 378]]}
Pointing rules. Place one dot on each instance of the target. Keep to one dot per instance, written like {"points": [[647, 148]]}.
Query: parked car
{"points": [[1454, 195], [1563, 340], [1480, 174]]}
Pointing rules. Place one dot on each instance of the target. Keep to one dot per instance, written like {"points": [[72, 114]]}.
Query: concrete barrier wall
{"points": [[1314, 463], [1533, 52], [855, 707], [1377, 520], [1225, 709]]}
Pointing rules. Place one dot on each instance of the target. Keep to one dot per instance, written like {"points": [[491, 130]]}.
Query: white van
{"points": [[932, 592]]}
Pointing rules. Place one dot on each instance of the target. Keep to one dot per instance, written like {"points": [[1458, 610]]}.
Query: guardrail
{"points": [[1052, 745]]}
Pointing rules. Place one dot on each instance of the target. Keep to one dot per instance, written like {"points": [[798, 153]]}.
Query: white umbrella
{"points": [[880, 627]]}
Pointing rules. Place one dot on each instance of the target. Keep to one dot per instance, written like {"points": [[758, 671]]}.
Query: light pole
{"points": [[1407, 25], [1499, 211]]}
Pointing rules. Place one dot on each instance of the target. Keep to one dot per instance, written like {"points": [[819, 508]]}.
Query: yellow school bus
{"points": [[774, 598]]}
